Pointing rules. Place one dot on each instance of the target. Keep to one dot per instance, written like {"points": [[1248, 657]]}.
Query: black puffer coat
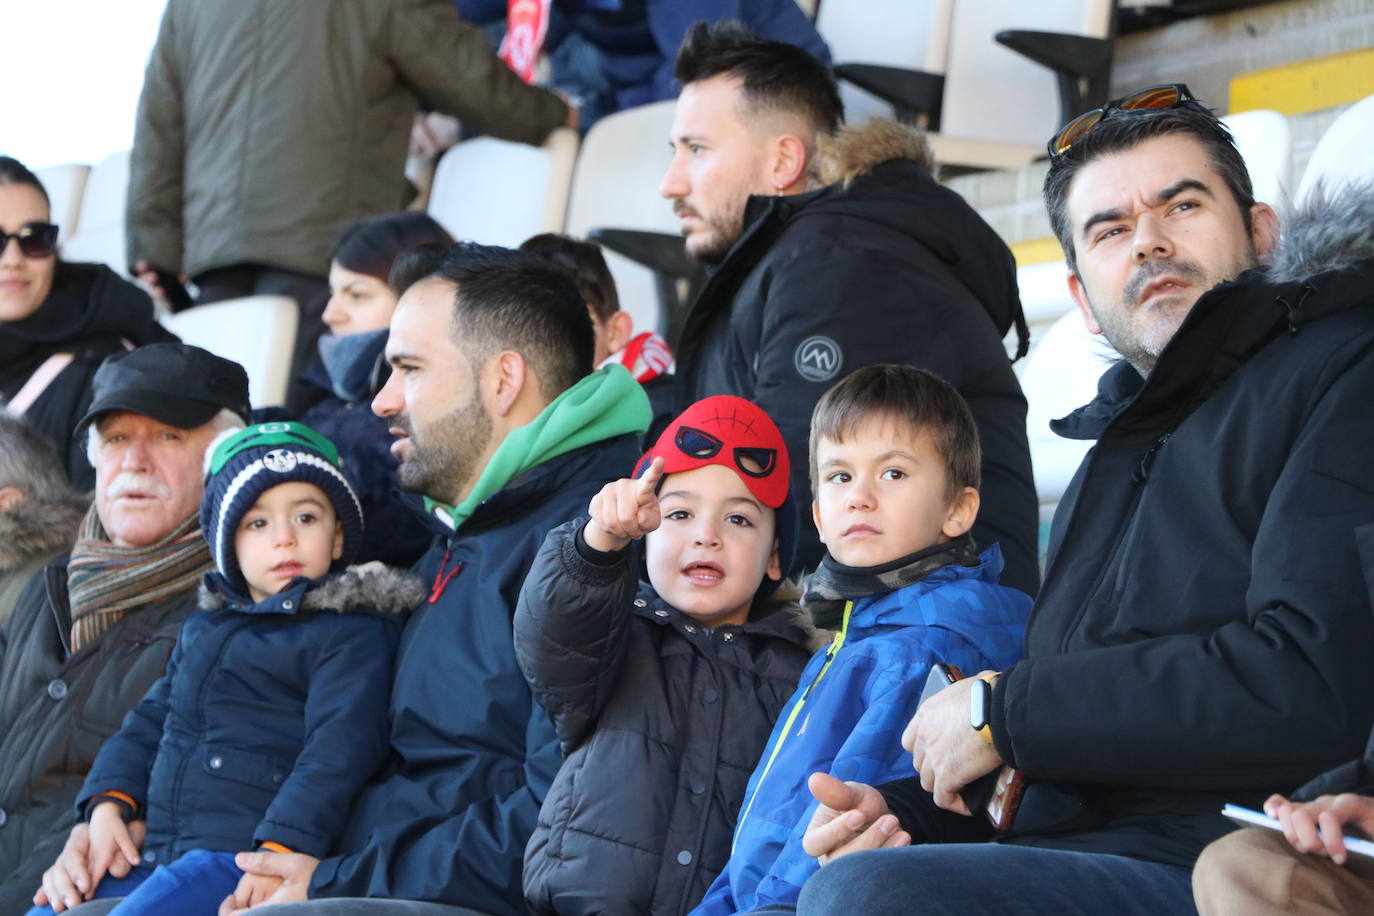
{"points": [[663, 721], [57, 708], [889, 267], [1203, 635], [90, 313]]}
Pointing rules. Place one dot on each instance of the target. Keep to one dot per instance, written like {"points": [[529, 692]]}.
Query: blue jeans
{"points": [[979, 878], [194, 885]]}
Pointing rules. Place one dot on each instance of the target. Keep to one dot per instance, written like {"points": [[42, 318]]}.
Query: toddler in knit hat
{"points": [[273, 711]]}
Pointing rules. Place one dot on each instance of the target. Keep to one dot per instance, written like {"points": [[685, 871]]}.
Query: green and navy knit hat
{"points": [[245, 464]]}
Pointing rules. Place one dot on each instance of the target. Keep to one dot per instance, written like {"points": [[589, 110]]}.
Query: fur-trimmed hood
{"points": [[858, 150], [369, 587], [1332, 229], [33, 528]]}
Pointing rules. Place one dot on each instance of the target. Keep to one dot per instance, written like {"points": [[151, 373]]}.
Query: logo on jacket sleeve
{"points": [[818, 359]]}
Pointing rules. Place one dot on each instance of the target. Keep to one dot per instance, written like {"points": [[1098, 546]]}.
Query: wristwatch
{"points": [[980, 706]]}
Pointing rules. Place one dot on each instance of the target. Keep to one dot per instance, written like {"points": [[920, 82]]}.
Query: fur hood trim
{"points": [[1332, 229], [369, 587], [31, 528], [855, 151]]}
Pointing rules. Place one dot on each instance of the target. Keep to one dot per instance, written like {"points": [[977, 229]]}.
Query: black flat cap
{"points": [[174, 383]]}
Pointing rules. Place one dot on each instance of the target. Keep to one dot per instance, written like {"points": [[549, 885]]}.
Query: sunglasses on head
{"points": [[754, 462], [36, 240], [1174, 95]]}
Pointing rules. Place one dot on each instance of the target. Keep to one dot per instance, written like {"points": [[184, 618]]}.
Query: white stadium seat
{"points": [[1265, 142], [615, 186], [258, 332], [911, 34], [65, 185], [500, 193], [1342, 155], [99, 235]]}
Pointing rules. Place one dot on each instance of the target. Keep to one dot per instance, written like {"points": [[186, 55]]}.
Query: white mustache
{"points": [[131, 482]]}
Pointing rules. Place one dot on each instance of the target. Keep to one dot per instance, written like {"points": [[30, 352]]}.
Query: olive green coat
{"points": [[266, 126]]}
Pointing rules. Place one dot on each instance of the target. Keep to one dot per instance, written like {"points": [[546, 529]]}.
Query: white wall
{"points": [[73, 71]]}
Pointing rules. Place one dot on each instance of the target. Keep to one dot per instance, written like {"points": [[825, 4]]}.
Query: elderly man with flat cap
{"points": [[93, 630]]}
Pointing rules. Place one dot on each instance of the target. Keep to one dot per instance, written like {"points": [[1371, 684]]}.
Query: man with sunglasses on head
{"points": [[1202, 635], [57, 320]]}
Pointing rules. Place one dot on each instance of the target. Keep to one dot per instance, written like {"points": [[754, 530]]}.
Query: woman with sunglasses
{"points": [[58, 321]]}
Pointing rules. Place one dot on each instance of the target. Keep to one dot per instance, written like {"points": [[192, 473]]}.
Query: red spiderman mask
{"points": [[732, 433]]}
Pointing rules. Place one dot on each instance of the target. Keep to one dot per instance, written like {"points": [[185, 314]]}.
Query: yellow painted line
{"points": [[1037, 251], [1309, 85]]}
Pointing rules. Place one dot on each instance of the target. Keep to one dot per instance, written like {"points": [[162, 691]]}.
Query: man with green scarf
{"points": [[505, 435], [94, 628]]}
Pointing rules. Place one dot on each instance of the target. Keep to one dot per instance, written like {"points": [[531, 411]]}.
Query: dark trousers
{"points": [[311, 294], [973, 879]]}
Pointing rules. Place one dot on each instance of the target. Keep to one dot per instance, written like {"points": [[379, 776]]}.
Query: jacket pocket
{"points": [[262, 771]]}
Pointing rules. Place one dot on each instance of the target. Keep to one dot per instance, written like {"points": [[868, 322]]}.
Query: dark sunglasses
{"points": [[754, 462], [1174, 95], [36, 240]]}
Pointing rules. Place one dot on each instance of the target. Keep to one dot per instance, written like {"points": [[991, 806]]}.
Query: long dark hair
{"points": [[12, 171], [370, 246]]}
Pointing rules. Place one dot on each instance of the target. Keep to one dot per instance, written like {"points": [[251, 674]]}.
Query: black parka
{"points": [[886, 267], [1203, 635], [57, 708], [663, 721]]}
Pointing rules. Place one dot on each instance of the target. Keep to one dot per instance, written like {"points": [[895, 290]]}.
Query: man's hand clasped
{"points": [[945, 750]]}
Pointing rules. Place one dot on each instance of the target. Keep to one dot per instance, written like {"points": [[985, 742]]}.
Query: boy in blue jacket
{"points": [[894, 469], [272, 713]]}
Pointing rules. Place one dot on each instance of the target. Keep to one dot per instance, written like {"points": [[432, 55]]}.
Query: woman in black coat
{"points": [[58, 321]]}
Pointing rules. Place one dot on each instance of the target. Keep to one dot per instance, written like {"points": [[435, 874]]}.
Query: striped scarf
{"points": [[105, 581]]}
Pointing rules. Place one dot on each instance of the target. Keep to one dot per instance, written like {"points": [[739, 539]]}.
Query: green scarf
{"points": [[607, 403]]}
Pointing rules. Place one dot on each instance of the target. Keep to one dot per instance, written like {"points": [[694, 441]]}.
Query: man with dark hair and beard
{"points": [[834, 248], [1202, 636], [505, 435]]}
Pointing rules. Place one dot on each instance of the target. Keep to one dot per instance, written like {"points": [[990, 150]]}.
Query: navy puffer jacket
{"points": [[269, 720]]}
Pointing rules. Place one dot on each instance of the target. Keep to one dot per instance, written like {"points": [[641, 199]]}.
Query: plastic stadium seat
{"points": [[615, 186], [1044, 299], [1000, 107], [258, 332], [994, 107], [897, 48], [99, 235], [1265, 142], [501, 193], [1061, 375], [1342, 154], [65, 185]]}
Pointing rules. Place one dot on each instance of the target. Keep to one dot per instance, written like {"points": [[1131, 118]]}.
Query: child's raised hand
{"points": [[624, 510], [251, 891]]}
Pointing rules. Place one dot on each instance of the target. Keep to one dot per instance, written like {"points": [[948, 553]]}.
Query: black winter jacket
{"points": [[1356, 775], [889, 267], [270, 718], [473, 754], [56, 708], [90, 313], [662, 719], [1203, 635]]}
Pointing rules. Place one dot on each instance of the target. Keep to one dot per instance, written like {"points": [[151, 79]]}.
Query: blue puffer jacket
{"points": [[475, 753], [850, 725], [269, 720]]}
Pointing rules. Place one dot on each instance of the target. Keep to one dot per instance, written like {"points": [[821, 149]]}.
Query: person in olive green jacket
{"points": [[266, 127]]}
